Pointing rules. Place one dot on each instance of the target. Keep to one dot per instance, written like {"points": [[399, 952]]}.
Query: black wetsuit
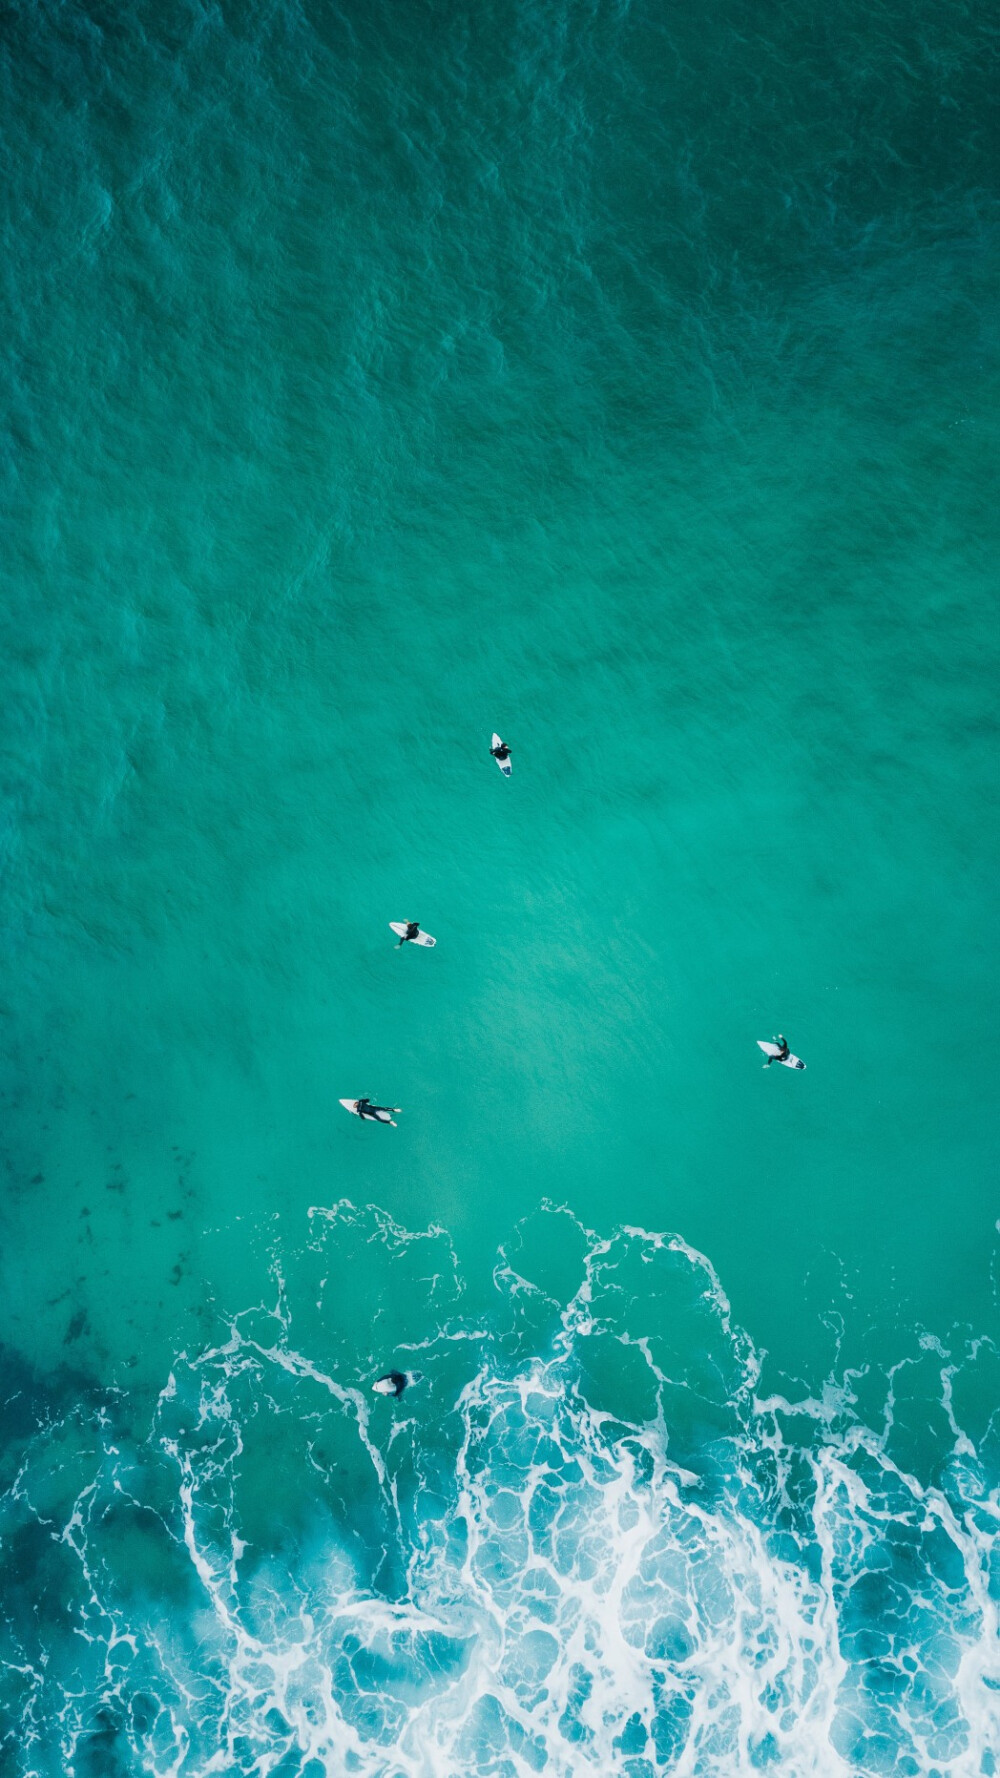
{"points": [[398, 1379], [501, 752], [412, 928]]}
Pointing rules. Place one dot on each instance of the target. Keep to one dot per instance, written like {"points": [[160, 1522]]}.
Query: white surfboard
{"points": [[381, 1116], [772, 1049], [422, 938], [504, 764]]}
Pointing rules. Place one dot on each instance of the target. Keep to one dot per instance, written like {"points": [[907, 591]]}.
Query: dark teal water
{"points": [[623, 378]]}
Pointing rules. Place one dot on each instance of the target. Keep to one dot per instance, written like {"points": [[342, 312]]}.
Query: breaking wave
{"points": [[585, 1542]]}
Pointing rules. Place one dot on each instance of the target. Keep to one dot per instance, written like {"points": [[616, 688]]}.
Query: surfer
{"points": [[393, 1383], [369, 1112], [500, 752], [366, 1109], [783, 1051], [412, 928]]}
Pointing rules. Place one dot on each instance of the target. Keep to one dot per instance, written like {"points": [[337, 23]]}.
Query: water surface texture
{"points": [[625, 378]]}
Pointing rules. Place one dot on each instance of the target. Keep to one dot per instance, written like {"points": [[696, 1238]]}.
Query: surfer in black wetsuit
{"points": [[501, 751], [412, 928], [783, 1051], [393, 1383], [374, 1114]]}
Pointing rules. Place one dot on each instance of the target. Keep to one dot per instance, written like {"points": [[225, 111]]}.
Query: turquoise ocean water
{"points": [[623, 377]]}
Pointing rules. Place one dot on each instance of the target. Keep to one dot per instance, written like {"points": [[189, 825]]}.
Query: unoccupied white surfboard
{"points": [[772, 1049], [422, 938], [504, 764], [381, 1116]]}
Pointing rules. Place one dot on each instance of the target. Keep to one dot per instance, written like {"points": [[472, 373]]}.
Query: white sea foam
{"points": [[521, 1579]]}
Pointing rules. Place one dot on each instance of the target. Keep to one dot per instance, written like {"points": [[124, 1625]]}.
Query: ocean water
{"points": [[623, 377]]}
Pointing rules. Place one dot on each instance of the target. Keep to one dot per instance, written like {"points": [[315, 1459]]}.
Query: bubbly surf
{"points": [[542, 1585]]}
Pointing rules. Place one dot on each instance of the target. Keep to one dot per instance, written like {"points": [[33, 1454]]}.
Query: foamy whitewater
{"points": [[550, 1588]]}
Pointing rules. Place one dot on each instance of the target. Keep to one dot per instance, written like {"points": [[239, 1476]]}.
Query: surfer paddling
{"points": [[369, 1112]]}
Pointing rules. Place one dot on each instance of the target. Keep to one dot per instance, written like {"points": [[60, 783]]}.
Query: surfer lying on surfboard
{"points": [[501, 753], [412, 928], [394, 1382], [375, 1114], [782, 1053]]}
